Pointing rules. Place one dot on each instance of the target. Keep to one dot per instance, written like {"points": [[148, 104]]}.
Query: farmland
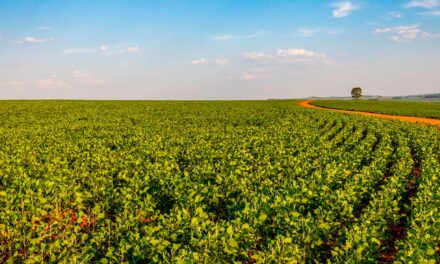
{"points": [[406, 108], [214, 181]]}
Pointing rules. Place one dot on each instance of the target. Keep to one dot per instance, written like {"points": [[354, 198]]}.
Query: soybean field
{"points": [[214, 182], [406, 108]]}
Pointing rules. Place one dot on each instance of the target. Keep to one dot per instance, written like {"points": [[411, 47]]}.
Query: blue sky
{"points": [[217, 49]]}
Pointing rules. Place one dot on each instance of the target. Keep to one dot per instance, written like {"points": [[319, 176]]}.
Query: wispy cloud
{"points": [[343, 9], [423, 3], [201, 61], [79, 50], [221, 61], [106, 49], [405, 33], [401, 33], [30, 39], [37, 40], [257, 56], [229, 37], [297, 53], [87, 78], [389, 16], [310, 32], [51, 83], [305, 32], [432, 13], [132, 49], [395, 14], [285, 56], [204, 62], [252, 75]]}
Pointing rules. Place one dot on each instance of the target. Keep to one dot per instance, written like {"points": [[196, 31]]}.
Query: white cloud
{"points": [[121, 48], [51, 83], [305, 32], [423, 3], [205, 62], [395, 14], [116, 49], [401, 33], [255, 55], [221, 61], [296, 53], [253, 75], [229, 37], [405, 33], [300, 56], [79, 51], [335, 31], [285, 56], [430, 36], [132, 49], [87, 78], [36, 40], [433, 13], [310, 32], [201, 61], [342, 9], [30, 39]]}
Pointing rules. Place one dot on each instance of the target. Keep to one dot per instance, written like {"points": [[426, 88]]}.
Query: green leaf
{"points": [[232, 243], [262, 217], [230, 231], [375, 240], [430, 252], [287, 240]]}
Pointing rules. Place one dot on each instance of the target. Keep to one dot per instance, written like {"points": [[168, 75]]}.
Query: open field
{"points": [[214, 181], [411, 119], [406, 108]]}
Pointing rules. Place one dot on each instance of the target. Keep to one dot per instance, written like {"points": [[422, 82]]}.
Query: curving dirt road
{"points": [[419, 120]]}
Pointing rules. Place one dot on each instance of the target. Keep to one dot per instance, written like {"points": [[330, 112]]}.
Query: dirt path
{"points": [[419, 120]]}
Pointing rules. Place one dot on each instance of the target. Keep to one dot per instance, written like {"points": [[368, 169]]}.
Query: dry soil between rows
{"points": [[419, 120]]}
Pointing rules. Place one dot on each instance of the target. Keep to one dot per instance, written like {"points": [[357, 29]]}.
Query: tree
{"points": [[356, 93]]}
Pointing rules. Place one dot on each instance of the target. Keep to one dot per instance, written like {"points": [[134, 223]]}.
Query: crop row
{"points": [[213, 182]]}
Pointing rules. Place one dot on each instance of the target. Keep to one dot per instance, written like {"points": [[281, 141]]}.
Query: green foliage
{"points": [[210, 182], [356, 93], [418, 109]]}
